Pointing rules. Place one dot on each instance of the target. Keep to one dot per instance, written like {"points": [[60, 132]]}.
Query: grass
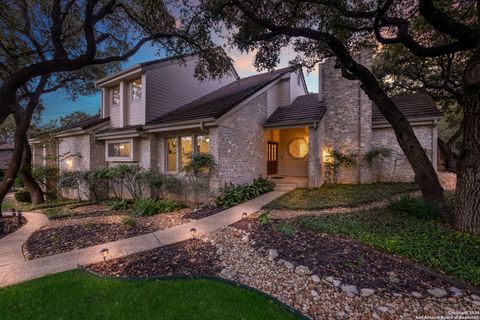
{"points": [[78, 295], [426, 241], [340, 195]]}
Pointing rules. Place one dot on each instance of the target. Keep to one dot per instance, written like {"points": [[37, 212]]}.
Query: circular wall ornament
{"points": [[298, 148]]}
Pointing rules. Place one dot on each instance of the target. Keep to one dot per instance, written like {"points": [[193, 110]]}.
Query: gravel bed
{"points": [[11, 224], [190, 257], [317, 297]]}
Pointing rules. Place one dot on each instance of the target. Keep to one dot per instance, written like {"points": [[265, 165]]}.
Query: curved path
{"points": [[11, 244], [15, 270]]}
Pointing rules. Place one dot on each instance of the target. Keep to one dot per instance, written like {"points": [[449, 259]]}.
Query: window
{"points": [[171, 154], [203, 144], [177, 158], [186, 144], [119, 150], [298, 148], [116, 95], [136, 89]]}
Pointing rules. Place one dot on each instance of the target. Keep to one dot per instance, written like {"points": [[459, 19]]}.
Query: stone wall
{"points": [[238, 145], [348, 120], [397, 168]]}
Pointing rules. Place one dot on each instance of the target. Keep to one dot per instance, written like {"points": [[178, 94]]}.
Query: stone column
{"points": [[314, 158]]}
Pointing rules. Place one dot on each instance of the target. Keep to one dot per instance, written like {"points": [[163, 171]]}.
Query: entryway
{"points": [[272, 158]]}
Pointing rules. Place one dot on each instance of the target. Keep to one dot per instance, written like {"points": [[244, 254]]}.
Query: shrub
{"points": [[129, 222], [150, 207], [335, 161], [414, 207], [375, 159], [264, 218], [233, 195], [196, 169], [119, 205], [23, 196], [58, 213]]}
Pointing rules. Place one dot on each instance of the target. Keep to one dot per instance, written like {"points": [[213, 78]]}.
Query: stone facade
{"points": [[348, 119], [397, 167], [238, 145]]}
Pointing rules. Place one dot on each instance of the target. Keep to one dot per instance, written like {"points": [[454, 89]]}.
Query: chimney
{"points": [[321, 81]]}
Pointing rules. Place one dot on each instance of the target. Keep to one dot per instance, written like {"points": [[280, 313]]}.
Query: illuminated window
{"points": [[116, 95], [119, 150], [172, 154], [298, 148], [186, 144], [136, 86], [203, 144]]}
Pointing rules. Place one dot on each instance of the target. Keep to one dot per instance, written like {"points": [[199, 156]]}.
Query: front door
{"points": [[272, 157]]}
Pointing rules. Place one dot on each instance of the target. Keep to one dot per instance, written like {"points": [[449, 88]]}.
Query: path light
{"points": [[193, 231], [13, 212], [244, 215], [104, 252], [2, 227]]}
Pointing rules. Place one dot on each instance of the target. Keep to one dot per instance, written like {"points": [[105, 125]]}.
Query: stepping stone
{"points": [[350, 290], [272, 254], [366, 292], [416, 294], [302, 271], [315, 278], [437, 292]]}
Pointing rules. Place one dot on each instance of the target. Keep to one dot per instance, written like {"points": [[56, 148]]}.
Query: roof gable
{"points": [[304, 109], [412, 105]]}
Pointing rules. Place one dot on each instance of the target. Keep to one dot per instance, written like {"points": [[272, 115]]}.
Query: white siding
{"points": [[115, 116], [273, 99], [296, 86], [174, 85], [284, 92]]}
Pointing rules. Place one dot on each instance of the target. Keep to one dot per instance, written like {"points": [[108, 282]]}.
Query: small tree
{"points": [[335, 161], [96, 180], [198, 167], [71, 180], [375, 159]]}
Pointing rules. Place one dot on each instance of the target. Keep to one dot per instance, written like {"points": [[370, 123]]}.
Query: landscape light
{"points": [[193, 231], [104, 252], [244, 215]]}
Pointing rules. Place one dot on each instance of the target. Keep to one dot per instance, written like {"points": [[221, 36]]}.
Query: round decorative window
{"points": [[298, 148]]}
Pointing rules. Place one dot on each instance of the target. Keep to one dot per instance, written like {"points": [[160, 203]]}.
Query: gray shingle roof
{"points": [[413, 105], [220, 101], [84, 124], [304, 109]]}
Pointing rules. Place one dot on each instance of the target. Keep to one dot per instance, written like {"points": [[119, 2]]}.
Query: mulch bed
{"points": [[190, 257], [11, 224], [50, 241], [344, 259], [202, 212]]}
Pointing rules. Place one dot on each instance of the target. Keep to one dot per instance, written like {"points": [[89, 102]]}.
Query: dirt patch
{"points": [[190, 257], [344, 259], [202, 212], [11, 224]]}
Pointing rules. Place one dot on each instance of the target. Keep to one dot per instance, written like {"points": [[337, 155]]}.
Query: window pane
{"points": [[203, 144], [121, 149], [186, 144], [137, 89], [116, 95], [171, 154]]}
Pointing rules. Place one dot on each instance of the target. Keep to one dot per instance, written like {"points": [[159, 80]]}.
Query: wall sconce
{"points": [[327, 155], [69, 163], [193, 231], [104, 252]]}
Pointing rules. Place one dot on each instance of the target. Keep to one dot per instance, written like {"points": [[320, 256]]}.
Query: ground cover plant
{"points": [[236, 194], [423, 239], [150, 207], [78, 295], [339, 195]]}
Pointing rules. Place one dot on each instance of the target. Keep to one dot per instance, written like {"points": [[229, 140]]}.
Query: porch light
{"points": [[193, 231], [104, 252]]}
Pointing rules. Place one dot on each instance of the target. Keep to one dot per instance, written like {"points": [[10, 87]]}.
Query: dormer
{"points": [[146, 91]]}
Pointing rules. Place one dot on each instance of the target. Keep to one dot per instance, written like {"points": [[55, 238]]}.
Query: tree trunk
{"points": [[467, 205], [31, 185], [16, 160], [450, 160]]}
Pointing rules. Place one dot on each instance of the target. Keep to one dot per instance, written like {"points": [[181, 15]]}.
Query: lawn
{"points": [[340, 195], [426, 241], [79, 295]]}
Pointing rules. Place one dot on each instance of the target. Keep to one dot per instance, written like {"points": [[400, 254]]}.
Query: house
{"points": [[157, 114]]}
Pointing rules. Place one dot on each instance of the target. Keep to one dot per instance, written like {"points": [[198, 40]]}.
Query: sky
{"points": [[57, 104]]}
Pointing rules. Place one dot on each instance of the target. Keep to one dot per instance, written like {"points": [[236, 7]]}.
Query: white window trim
{"points": [[179, 150], [130, 158], [131, 91]]}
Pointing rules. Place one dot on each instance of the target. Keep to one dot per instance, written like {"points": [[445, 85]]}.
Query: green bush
{"points": [[129, 222], [58, 213], [150, 207], [23, 196], [233, 195], [119, 205], [414, 207]]}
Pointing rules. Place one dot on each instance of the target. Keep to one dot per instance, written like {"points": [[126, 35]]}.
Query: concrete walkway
{"points": [[18, 271], [11, 244]]}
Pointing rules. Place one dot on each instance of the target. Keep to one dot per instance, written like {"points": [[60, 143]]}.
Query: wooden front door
{"points": [[272, 157]]}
